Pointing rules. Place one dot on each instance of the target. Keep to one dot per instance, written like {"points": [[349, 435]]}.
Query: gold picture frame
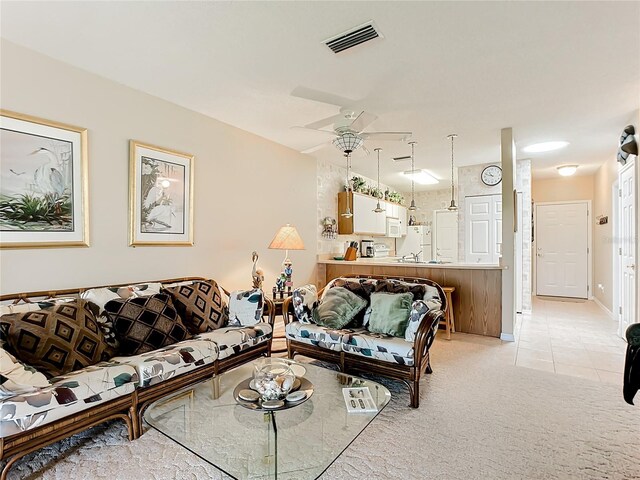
{"points": [[44, 192], [160, 196]]}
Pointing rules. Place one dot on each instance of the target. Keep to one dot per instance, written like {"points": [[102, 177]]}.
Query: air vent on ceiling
{"points": [[355, 36], [402, 159]]}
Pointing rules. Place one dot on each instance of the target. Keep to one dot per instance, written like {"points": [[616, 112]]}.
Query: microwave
{"points": [[393, 228]]}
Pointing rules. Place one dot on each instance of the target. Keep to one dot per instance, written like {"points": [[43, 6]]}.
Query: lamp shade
{"points": [[287, 238]]}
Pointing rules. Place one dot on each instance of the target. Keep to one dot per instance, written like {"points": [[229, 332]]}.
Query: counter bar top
{"points": [[392, 262]]}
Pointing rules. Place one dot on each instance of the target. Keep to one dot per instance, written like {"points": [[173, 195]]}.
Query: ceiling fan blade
{"points": [[322, 97], [314, 149], [397, 136], [326, 121], [326, 133], [362, 121]]}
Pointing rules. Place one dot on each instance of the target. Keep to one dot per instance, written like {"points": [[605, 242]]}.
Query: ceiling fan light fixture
{"points": [[348, 142], [421, 176]]}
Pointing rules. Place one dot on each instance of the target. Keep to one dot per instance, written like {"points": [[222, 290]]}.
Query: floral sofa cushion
{"points": [[233, 340], [167, 362], [379, 346], [305, 300], [315, 335], [66, 395], [245, 307], [419, 310]]}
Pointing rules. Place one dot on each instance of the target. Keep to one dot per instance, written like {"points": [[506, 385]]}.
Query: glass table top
{"points": [[297, 443]]}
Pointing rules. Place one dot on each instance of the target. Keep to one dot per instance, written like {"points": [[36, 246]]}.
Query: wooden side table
{"points": [[278, 304], [449, 321]]}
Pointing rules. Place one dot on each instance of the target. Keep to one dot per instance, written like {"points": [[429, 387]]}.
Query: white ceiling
{"points": [[551, 70]]}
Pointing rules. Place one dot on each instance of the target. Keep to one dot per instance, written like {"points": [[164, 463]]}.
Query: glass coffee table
{"points": [[296, 443]]}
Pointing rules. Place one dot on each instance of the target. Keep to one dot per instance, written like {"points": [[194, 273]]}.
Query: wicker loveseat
{"points": [[354, 348], [121, 387]]}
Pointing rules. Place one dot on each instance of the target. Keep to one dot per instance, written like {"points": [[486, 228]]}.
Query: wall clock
{"points": [[491, 175]]}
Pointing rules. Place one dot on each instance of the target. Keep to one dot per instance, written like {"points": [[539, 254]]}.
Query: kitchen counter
{"points": [[391, 261], [477, 299]]}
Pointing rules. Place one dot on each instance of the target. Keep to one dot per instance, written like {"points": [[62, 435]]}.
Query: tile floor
{"points": [[575, 338]]}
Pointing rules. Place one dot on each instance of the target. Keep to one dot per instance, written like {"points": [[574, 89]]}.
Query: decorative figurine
{"points": [[257, 274], [280, 282], [288, 271]]}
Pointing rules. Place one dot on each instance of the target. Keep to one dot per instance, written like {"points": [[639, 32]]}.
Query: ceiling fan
{"points": [[347, 133]]}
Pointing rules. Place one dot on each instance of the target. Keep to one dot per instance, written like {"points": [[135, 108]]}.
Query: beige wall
{"points": [[562, 189], [603, 237], [245, 186]]}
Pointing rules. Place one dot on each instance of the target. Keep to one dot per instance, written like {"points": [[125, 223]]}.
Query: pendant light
{"points": [[378, 208], [347, 213], [413, 207], [453, 205]]}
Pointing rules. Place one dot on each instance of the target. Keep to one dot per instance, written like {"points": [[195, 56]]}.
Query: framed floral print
{"points": [[160, 196], [43, 183]]}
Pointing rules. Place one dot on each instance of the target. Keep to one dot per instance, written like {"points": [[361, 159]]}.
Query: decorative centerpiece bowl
{"points": [[273, 379]]}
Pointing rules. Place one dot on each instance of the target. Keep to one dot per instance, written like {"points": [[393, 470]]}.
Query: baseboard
{"points": [[507, 337], [601, 305]]}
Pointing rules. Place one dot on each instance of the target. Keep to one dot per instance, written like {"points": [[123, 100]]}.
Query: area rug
{"points": [[479, 418]]}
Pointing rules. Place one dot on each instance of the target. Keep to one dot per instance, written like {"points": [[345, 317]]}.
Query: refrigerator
{"points": [[418, 239]]}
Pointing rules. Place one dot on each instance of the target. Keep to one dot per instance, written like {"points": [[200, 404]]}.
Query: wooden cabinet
{"points": [[364, 219]]}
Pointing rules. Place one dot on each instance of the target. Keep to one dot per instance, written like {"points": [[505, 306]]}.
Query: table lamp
{"points": [[287, 238]]}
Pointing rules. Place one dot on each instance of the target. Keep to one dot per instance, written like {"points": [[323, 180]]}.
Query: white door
{"points": [[561, 249], [445, 235], [483, 228], [628, 262]]}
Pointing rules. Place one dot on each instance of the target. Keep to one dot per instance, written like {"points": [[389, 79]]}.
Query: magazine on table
{"points": [[359, 400]]}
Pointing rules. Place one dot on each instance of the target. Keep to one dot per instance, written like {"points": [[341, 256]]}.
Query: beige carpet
{"points": [[480, 418]]}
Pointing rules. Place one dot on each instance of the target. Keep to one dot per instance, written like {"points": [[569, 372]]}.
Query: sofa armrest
{"points": [[269, 310], [426, 334], [285, 311]]}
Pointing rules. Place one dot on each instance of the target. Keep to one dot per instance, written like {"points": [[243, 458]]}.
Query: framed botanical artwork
{"points": [[43, 183], [160, 196]]}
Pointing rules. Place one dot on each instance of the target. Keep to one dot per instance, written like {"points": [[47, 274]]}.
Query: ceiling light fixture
{"points": [[378, 208], [421, 176], [413, 207], [348, 142], [347, 212], [544, 147], [567, 170], [453, 205]]}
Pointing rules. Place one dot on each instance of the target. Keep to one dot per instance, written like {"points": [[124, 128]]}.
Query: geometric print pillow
{"points": [[200, 305], [143, 324], [56, 340], [245, 308], [305, 300]]}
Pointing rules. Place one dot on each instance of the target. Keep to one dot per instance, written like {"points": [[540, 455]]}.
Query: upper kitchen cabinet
{"points": [[364, 219], [391, 209], [404, 221]]}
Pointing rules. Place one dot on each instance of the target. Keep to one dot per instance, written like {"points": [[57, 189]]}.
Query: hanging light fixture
{"points": [[453, 205], [378, 208], [348, 142], [347, 212], [413, 207]]}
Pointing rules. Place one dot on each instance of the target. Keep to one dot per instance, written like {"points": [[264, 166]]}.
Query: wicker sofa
{"points": [[122, 387], [358, 350]]}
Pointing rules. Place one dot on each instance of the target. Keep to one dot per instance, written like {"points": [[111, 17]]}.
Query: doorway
{"points": [[563, 249]]}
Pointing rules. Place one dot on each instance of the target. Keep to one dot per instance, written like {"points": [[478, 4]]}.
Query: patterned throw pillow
{"points": [[305, 300], [397, 286], [56, 340], [18, 378], [200, 305], [419, 310], [143, 324], [245, 307], [98, 297]]}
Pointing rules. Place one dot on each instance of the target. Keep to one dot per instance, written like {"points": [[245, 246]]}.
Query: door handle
{"points": [[632, 266]]}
